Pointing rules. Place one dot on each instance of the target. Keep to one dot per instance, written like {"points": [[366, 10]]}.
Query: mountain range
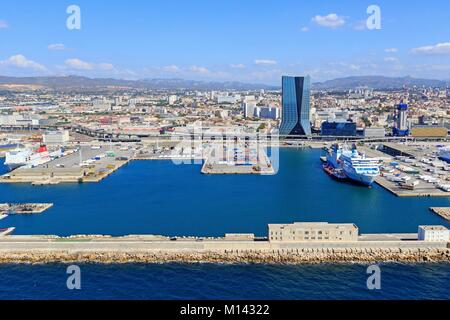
{"points": [[79, 82], [378, 82]]}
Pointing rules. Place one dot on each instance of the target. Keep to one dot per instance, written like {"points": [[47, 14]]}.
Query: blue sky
{"points": [[221, 40]]}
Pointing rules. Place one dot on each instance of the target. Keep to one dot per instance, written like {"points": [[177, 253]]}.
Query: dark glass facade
{"points": [[339, 129], [296, 105]]}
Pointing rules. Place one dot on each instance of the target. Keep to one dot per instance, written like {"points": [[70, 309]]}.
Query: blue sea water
{"points": [[158, 197], [210, 281]]}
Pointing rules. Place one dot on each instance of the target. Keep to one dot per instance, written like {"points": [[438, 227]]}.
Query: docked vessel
{"points": [[3, 216], [356, 166], [444, 154], [335, 173], [27, 157], [7, 231]]}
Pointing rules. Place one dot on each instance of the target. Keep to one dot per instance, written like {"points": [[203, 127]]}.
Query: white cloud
{"points": [[20, 61], [56, 46], [197, 69], [237, 66], [331, 20], [3, 24], [105, 66], [304, 29], [171, 68], [391, 50], [440, 48], [78, 64], [265, 62], [391, 59]]}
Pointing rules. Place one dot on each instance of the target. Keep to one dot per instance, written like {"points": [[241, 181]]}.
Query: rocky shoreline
{"points": [[309, 256]]}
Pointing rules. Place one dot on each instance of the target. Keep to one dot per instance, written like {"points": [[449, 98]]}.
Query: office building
{"points": [[249, 109], [339, 129], [272, 113], [296, 106]]}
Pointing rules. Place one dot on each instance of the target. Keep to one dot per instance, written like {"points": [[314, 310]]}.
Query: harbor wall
{"points": [[124, 250]]}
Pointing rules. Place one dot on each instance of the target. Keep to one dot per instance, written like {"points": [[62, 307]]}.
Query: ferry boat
{"points": [[444, 154], [27, 157], [7, 231], [356, 166]]}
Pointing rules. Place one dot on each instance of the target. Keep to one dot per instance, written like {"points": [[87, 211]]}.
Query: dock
{"points": [[422, 189], [87, 164], [159, 249], [24, 208], [220, 162], [443, 212]]}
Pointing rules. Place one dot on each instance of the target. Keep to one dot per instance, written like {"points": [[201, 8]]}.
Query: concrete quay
{"points": [[443, 212], [215, 164], [24, 208], [158, 249], [77, 166], [423, 189]]}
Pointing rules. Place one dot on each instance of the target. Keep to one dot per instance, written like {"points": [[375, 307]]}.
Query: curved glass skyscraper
{"points": [[295, 101]]}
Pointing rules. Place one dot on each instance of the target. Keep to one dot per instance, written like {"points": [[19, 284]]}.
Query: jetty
{"points": [[237, 161], [24, 208], [296, 243], [443, 212], [157, 249]]}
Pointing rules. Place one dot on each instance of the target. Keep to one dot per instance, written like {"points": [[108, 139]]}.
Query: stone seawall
{"points": [[306, 256], [155, 249]]}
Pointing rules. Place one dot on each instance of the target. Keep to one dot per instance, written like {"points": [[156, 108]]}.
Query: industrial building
{"points": [[372, 132], [56, 137], [429, 132], [317, 231]]}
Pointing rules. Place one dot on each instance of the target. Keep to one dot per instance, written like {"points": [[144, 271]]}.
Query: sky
{"points": [[225, 40]]}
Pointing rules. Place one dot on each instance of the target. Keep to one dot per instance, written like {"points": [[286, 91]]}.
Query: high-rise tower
{"points": [[296, 105]]}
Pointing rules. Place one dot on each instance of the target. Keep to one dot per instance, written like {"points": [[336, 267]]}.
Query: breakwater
{"points": [[143, 249]]}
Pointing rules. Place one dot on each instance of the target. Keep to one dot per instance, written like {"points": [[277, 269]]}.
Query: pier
{"points": [[24, 208], [225, 161], [422, 189], [443, 212], [84, 164], [158, 249]]}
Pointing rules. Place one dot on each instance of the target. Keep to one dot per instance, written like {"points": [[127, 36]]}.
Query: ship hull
{"points": [[13, 166], [446, 159], [361, 179]]}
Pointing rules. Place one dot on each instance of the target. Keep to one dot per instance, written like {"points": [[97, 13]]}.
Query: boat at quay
{"points": [[354, 165]]}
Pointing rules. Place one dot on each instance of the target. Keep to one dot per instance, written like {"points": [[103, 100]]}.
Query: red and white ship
{"points": [[27, 157]]}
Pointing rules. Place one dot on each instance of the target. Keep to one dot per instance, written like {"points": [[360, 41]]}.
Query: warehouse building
{"points": [[429, 132], [317, 231]]}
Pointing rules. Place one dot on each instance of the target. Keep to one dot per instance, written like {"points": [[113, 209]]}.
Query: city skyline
{"points": [[170, 40]]}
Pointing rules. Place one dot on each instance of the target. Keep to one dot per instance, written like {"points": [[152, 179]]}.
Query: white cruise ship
{"points": [[27, 157], [357, 167]]}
